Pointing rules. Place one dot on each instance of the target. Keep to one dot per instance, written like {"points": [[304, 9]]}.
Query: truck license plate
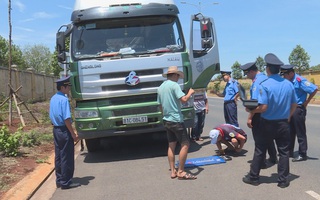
{"points": [[134, 120]]}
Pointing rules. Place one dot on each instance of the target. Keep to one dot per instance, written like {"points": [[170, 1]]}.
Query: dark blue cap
{"points": [[225, 73], [249, 66], [64, 81], [272, 60], [286, 68]]}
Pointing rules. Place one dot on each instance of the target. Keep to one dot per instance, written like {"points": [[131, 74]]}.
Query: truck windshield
{"points": [[126, 36]]}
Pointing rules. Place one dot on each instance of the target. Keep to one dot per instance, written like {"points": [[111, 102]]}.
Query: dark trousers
{"points": [[64, 155], [231, 112], [198, 124], [298, 129], [277, 130], [255, 129]]}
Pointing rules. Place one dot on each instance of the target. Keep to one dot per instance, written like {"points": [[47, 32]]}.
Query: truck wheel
{"points": [[93, 144]]}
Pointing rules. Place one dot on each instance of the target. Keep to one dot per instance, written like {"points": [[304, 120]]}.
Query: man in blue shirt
{"points": [[252, 72], [303, 88], [277, 103], [170, 97], [230, 94], [64, 135]]}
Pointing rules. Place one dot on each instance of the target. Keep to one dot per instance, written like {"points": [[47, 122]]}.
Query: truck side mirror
{"points": [[206, 33], [60, 42], [206, 28]]}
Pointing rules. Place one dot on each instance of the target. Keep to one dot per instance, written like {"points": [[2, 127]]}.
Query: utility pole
{"points": [[10, 60]]}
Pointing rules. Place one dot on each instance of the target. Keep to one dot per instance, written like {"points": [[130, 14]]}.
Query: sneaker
{"points": [[250, 181], [299, 158], [283, 184]]}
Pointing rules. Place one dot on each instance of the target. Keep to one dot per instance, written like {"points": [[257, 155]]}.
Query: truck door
{"points": [[203, 51]]}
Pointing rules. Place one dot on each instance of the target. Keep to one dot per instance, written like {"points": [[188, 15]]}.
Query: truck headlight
{"points": [[86, 113]]}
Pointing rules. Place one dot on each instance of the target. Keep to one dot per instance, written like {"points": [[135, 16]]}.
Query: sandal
{"points": [[174, 176], [187, 176]]}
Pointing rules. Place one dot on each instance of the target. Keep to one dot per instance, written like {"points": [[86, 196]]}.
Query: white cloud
{"points": [[42, 15], [19, 5], [39, 15], [24, 29], [65, 7]]}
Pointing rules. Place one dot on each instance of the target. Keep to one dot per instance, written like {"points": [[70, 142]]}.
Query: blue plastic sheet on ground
{"points": [[209, 160]]}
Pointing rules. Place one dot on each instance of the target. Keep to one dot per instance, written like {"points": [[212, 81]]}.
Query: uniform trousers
{"points": [[231, 112], [271, 130], [64, 155], [255, 129], [298, 129]]}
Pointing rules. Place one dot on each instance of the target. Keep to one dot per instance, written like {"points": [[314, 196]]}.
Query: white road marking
{"points": [[313, 194]]}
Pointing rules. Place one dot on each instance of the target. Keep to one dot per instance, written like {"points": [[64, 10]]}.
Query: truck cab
{"points": [[117, 54]]}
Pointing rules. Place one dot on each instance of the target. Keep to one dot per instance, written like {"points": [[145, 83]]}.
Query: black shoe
{"points": [[72, 185], [299, 158], [250, 181], [283, 184]]}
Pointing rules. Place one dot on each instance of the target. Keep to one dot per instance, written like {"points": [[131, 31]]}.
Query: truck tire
{"points": [[93, 145]]}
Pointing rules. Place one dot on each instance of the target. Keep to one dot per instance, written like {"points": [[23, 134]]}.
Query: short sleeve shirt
{"points": [[255, 87], [278, 93], [302, 87], [200, 102], [59, 109], [230, 90], [230, 131], [169, 94]]}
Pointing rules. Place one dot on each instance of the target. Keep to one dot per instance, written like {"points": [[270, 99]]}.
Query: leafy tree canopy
{"points": [[300, 59], [236, 71]]}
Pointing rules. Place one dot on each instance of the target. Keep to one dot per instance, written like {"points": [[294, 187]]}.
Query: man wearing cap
{"points": [[252, 72], [64, 135], [303, 88], [230, 94], [170, 97], [277, 103], [233, 137]]}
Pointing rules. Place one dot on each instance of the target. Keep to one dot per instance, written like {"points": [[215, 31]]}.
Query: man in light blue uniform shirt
{"points": [[230, 94], [303, 88], [252, 72], [64, 135], [277, 102]]}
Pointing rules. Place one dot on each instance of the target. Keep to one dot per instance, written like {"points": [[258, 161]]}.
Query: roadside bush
{"points": [[9, 143], [30, 139]]}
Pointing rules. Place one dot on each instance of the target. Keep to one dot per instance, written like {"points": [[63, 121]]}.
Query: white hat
{"points": [[173, 70], [214, 134]]}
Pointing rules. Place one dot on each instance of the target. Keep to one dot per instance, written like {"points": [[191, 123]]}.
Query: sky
{"points": [[245, 29]]}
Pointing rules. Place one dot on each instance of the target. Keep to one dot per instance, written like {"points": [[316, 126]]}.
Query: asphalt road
{"points": [[136, 168]]}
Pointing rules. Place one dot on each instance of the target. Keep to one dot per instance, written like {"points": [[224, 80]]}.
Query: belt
{"points": [[229, 101], [60, 126], [274, 120]]}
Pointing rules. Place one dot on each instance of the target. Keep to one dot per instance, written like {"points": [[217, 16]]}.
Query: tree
{"points": [[16, 52], [260, 64], [236, 71], [315, 68], [38, 57], [299, 59]]}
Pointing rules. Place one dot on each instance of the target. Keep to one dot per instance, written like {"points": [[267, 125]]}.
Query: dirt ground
{"points": [[13, 169]]}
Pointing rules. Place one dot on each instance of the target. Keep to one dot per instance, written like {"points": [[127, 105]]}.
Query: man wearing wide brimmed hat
{"points": [[170, 97]]}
